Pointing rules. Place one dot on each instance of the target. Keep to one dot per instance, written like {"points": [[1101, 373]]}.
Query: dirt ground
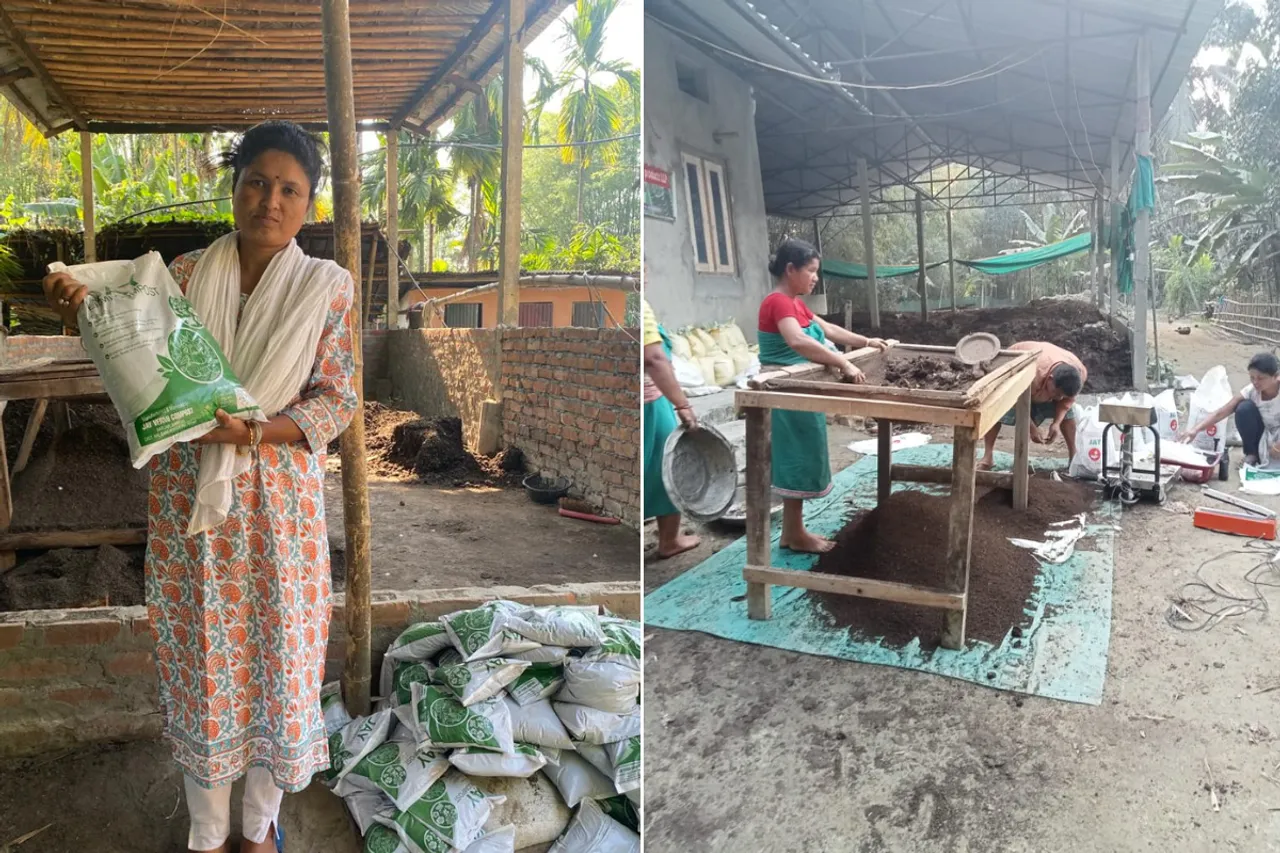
{"points": [[756, 748]]}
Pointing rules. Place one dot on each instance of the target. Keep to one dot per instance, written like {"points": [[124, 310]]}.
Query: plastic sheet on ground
{"points": [[1062, 653]]}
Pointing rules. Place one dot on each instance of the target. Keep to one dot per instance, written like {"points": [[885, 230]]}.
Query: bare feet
{"points": [[266, 845], [986, 464], [807, 543], [681, 543]]}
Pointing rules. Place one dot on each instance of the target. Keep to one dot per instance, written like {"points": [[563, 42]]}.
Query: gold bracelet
{"points": [[255, 436]]}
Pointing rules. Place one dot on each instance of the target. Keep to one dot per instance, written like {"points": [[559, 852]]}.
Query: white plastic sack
{"points": [[606, 678], [544, 654], [450, 816], [577, 780], [479, 680], [367, 806], [594, 726], [398, 768], [501, 840], [521, 764], [538, 724], [164, 371], [593, 831], [484, 631], [571, 626], [359, 738], [419, 642], [1087, 463], [624, 755], [688, 373], [1167, 415], [1213, 393], [439, 720], [335, 713], [540, 681], [398, 677]]}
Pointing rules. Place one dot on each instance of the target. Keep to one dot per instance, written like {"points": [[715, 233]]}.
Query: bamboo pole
{"points": [[393, 228], [86, 196], [346, 226], [512, 163]]}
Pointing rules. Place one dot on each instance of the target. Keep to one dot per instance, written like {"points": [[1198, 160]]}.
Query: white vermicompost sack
{"points": [[520, 764], [398, 768], [594, 726], [479, 680], [538, 724], [577, 780], [484, 632], [360, 737], [607, 677], [164, 371], [593, 831], [450, 815], [420, 641], [624, 755], [1213, 393], [335, 713], [366, 806], [559, 625]]}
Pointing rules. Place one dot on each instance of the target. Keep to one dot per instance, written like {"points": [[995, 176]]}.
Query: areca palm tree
{"points": [[593, 107], [476, 157], [425, 190]]}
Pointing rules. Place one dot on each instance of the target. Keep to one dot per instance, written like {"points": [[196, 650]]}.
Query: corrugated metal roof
{"points": [[142, 65], [1030, 88]]}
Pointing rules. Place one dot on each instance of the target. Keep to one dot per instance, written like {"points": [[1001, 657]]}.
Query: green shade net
{"points": [[1016, 261], [843, 269]]}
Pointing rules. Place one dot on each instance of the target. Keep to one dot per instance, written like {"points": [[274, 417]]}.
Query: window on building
{"points": [[533, 314], [588, 315], [692, 81], [463, 316], [710, 223]]}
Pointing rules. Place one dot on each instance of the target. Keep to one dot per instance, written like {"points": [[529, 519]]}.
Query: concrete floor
{"points": [[750, 748]]}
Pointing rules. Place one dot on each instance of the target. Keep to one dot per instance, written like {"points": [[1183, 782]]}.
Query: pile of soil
{"points": [[1072, 324], [932, 373], [406, 447], [75, 577], [81, 479], [904, 539]]}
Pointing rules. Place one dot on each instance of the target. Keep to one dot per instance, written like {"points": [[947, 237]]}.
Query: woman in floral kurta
{"points": [[245, 689], [240, 614]]}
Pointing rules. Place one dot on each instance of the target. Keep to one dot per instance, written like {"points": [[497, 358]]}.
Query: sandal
{"points": [[279, 838]]}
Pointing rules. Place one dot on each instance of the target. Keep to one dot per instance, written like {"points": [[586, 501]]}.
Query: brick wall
{"points": [[442, 373], [82, 676], [571, 402]]}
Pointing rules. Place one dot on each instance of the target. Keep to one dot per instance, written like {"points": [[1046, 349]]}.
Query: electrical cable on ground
{"points": [[1214, 602]]}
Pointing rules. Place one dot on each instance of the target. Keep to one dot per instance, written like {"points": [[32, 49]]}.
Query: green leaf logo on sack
{"points": [[619, 641], [381, 840]]}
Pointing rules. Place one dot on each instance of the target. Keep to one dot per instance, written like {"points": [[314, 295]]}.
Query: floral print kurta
{"points": [[240, 615]]}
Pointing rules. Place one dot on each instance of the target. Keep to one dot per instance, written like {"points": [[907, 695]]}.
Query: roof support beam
{"points": [[11, 32], [1108, 10], [14, 76], [460, 52]]}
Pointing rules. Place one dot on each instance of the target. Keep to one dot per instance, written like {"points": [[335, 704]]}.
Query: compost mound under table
{"points": [[969, 407]]}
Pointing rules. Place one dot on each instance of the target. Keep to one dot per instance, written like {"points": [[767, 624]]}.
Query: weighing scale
{"points": [[1123, 480]]}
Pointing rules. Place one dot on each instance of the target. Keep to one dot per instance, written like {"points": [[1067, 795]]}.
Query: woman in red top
{"points": [[789, 333]]}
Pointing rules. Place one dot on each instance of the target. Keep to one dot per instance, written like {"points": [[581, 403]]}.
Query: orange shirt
{"points": [[1049, 357]]}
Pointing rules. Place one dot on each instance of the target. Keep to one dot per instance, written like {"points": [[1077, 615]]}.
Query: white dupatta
{"points": [[272, 348]]}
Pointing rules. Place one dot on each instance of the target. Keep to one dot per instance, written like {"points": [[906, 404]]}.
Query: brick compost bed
{"points": [[905, 540]]}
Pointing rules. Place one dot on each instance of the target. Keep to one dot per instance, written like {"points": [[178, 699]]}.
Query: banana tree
{"points": [[1239, 201]]}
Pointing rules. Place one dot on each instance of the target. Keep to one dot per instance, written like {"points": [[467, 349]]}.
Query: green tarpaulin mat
{"points": [[1061, 655], [1017, 261], [844, 269]]}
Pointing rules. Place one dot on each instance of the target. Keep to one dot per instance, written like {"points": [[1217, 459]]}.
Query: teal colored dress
{"points": [[659, 422], [801, 464]]}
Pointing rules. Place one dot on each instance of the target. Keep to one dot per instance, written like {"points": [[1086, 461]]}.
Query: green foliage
{"points": [[1189, 277]]}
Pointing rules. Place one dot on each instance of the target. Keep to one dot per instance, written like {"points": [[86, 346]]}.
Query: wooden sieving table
{"points": [[971, 413]]}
